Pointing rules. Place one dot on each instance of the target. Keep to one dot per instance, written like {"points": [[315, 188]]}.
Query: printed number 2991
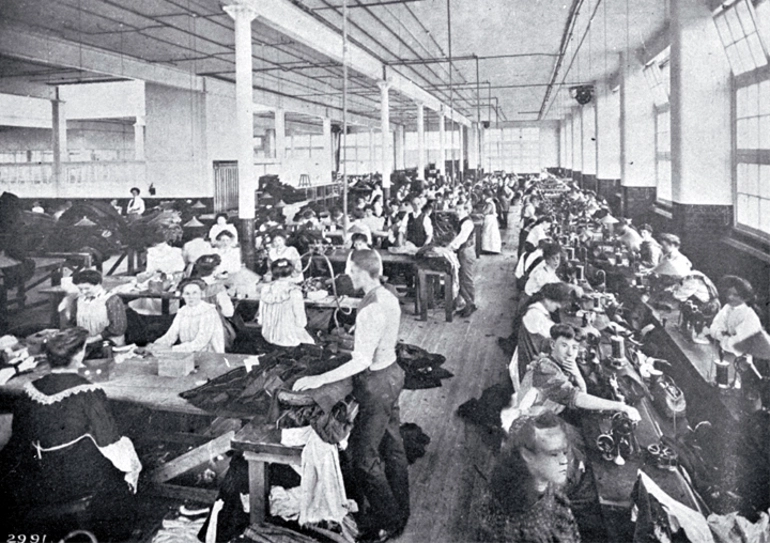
{"points": [[23, 538]]}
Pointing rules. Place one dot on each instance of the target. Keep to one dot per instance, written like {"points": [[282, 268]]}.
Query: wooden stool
{"points": [[425, 285], [261, 445]]}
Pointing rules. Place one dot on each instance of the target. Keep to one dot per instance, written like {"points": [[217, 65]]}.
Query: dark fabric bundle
{"points": [[445, 227], [415, 441], [239, 391], [423, 369]]}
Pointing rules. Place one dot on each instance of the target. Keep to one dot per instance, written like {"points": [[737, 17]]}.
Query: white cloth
{"points": [[92, 313], [282, 314], [123, 456], [734, 324], [179, 530], [540, 276], [323, 494], [199, 329]]}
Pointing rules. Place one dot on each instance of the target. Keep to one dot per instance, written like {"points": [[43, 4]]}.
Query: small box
{"points": [[97, 370], [176, 364]]}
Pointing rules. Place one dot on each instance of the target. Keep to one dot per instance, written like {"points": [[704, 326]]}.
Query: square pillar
{"points": [[637, 141], [139, 139], [441, 166], [328, 154], [399, 147], [420, 141], [387, 153], [59, 139], [243, 15], [701, 140]]}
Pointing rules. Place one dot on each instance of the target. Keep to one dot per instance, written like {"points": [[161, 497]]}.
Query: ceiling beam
{"points": [[301, 27], [23, 87], [23, 44]]}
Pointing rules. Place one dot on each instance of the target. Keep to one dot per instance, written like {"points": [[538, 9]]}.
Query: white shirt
{"points": [[466, 230], [135, 205], [540, 276], [681, 263], [537, 233], [734, 324], [231, 259], [537, 320], [526, 261]]}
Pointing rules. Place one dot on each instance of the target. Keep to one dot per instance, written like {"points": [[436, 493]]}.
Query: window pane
{"points": [[764, 97], [764, 132], [764, 214], [735, 60], [742, 10], [740, 102], [745, 54], [752, 215], [724, 31], [735, 26], [741, 133], [742, 211], [764, 181], [760, 59], [752, 100], [753, 132], [752, 179]]}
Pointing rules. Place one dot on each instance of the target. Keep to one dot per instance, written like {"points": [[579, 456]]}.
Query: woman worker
{"points": [[490, 234], [66, 456], [197, 325], [535, 328], [222, 225], [736, 320], [279, 249], [102, 314], [282, 308]]}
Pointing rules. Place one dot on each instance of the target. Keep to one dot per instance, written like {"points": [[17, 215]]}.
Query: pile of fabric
{"points": [[423, 369]]}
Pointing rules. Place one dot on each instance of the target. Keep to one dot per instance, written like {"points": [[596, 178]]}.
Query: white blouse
{"points": [[282, 314], [198, 329], [734, 324], [540, 276]]}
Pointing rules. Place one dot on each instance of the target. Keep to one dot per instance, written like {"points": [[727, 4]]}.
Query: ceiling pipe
{"points": [[450, 59], [566, 36]]}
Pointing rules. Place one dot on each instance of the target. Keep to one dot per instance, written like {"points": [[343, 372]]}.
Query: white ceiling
{"points": [[197, 35]]}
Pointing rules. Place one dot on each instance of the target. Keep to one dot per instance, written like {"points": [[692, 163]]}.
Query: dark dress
{"points": [[63, 409]]}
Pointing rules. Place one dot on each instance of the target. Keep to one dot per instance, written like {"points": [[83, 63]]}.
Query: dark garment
{"points": [[548, 520], [467, 258], [67, 407], [531, 345], [377, 449], [415, 441], [415, 230]]}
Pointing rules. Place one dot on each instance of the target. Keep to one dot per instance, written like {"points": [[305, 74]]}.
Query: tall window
{"points": [[512, 149], [746, 53], [752, 176], [659, 81], [738, 31]]}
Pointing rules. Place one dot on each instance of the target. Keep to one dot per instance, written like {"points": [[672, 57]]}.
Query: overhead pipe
{"points": [[450, 59]]}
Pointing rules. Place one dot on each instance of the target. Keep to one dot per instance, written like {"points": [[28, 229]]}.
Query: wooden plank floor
{"points": [[447, 482]]}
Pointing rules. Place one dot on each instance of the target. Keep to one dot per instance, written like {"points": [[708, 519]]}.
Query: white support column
{"points": [[441, 166], [399, 147], [482, 153], [473, 146], [328, 154], [242, 14], [701, 146], [59, 138], [387, 153], [420, 141], [372, 158], [461, 152], [280, 134], [139, 138], [637, 127]]}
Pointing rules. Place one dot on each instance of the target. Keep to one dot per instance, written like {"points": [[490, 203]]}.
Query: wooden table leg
{"points": [[165, 306], [258, 488], [449, 299], [422, 294]]}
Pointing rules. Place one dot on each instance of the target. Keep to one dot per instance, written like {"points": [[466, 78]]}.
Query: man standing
{"points": [[376, 445], [465, 245], [417, 227]]}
